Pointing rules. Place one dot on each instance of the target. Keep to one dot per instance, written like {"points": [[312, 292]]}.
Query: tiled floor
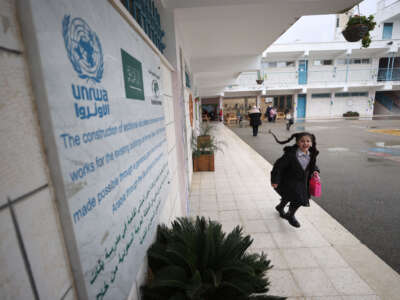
{"points": [[307, 263]]}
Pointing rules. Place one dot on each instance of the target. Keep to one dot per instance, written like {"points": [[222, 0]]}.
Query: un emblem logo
{"points": [[83, 48]]}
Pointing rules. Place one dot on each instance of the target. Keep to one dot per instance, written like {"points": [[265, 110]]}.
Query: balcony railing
{"points": [[325, 78], [147, 16], [389, 74]]}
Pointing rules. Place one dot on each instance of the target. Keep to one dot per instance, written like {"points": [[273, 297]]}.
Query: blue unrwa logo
{"points": [[83, 48]]}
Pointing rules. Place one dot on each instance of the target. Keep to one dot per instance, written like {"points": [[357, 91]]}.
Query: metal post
{"points": [[387, 69], [391, 67]]}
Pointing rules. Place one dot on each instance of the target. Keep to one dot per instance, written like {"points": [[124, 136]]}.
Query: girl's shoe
{"points": [[292, 220], [280, 210]]}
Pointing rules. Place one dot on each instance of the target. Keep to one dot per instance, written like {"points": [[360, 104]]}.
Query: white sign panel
{"points": [[102, 90]]}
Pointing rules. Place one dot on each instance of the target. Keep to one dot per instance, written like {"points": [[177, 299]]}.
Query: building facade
{"points": [[327, 79], [98, 104]]}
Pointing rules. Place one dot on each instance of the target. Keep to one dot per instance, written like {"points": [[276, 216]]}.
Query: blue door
{"points": [[303, 71], [301, 106]]}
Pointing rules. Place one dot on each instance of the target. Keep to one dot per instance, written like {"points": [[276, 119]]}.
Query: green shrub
{"points": [[196, 260], [351, 114]]}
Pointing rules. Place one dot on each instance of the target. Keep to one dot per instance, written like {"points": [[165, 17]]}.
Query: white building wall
{"points": [[317, 107], [25, 182], [319, 75], [335, 106], [281, 76], [27, 185]]}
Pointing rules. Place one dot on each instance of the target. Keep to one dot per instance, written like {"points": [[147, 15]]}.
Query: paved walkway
{"points": [[320, 260]]}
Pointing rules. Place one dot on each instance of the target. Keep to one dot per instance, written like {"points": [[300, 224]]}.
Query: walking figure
{"points": [[255, 119], [267, 113], [289, 119], [272, 114], [291, 174]]}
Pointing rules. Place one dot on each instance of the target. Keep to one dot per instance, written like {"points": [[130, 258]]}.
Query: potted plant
{"points": [[358, 28], [195, 259], [259, 79], [204, 135], [203, 153]]}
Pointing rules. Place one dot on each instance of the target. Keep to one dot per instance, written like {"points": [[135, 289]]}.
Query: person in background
{"points": [[291, 174], [289, 119], [238, 116], [255, 119], [267, 113], [272, 114]]}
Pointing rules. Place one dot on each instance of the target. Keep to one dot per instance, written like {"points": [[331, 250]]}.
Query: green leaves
{"points": [[369, 21], [195, 259]]}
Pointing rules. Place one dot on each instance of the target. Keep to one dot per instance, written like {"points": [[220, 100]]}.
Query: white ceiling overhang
{"points": [[229, 36]]}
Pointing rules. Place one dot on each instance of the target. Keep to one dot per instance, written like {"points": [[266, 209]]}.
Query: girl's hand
{"points": [[274, 185]]}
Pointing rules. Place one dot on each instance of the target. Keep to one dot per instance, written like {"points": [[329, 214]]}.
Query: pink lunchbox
{"points": [[315, 186]]}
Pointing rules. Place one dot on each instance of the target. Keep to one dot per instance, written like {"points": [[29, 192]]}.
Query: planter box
{"points": [[202, 140], [204, 162]]}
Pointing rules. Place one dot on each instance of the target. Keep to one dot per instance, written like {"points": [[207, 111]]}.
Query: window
{"points": [[322, 62], [342, 94], [322, 95], [289, 102], [276, 101], [281, 102], [359, 94], [387, 31], [354, 94], [353, 61], [280, 64]]}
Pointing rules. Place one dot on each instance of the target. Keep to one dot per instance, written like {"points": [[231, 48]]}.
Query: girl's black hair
{"points": [[313, 149]]}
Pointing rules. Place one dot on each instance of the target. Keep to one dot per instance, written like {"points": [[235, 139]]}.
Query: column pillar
{"points": [[258, 100]]}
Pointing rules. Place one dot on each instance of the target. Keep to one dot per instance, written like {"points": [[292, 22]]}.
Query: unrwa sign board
{"points": [[105, 137]]}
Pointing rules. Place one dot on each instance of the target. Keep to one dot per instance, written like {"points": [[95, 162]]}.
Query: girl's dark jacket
{"points": [[255, 119], [292, 180]]}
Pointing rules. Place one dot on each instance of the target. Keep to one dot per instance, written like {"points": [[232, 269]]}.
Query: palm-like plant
{"points": [[196, 260]]}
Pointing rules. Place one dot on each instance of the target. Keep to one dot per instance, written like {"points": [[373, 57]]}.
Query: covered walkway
{"points": [[320, 260]]}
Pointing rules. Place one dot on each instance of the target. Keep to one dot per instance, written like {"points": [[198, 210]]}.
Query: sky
{"points": [[305, 29]]}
